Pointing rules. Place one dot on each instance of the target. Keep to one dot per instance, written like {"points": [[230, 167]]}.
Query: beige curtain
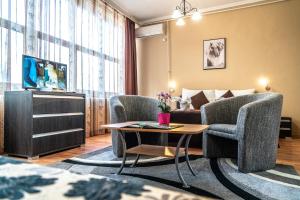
{"points": [[87, 35]]}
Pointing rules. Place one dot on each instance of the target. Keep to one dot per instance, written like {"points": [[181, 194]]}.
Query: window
{"points": [[88, 36]]}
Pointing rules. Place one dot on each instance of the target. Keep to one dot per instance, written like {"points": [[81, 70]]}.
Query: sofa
{"points": [[244, 127]]}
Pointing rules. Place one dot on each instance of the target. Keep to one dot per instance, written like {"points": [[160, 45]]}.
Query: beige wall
{"points": [[261, 41], [152, 66]]}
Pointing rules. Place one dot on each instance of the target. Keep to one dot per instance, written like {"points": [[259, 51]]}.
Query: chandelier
{"points": [[183, 9]]}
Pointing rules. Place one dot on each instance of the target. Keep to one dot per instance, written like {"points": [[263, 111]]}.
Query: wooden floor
{"points": [[288, 153]]}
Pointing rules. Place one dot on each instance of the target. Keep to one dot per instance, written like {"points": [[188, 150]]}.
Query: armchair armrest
{"points": [[260, 120], [223, 111], [117, 111]]}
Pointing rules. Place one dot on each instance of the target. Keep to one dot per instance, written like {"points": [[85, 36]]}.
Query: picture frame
{"points": [[214, 54]]}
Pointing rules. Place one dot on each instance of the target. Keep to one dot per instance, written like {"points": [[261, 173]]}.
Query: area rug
{"points": [[216, 178], [23, 180]]}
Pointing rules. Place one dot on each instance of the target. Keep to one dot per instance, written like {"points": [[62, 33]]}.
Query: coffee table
{"points": [[186, 131]]}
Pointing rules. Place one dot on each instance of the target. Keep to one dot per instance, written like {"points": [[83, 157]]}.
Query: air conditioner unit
{"points": [[150, 30]]}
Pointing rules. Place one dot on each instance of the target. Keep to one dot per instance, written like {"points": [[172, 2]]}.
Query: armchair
{"points": [[246, 127], [134, 108]]}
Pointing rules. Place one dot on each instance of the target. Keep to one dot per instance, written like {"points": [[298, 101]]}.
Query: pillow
{"points": [[236, 93], [219, 93], [187, 94], [228, 94], [198, 100]]}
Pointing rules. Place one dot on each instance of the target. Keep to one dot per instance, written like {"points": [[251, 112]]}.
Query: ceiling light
{"points": [[180, 22], [176, 14], [183, 9], [196, 16]]}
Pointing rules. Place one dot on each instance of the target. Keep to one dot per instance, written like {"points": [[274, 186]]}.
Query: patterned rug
{"points": [[22, 180], [216, 178]]}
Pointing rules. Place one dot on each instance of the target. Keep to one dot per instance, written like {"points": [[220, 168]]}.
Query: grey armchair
{"points": [[134, 108], [246, 127]]}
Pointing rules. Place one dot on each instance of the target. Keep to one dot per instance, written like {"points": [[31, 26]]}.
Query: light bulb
{"points": [[180, 22], [263, 82], [176, 14], [196, 16], [172, 85]]}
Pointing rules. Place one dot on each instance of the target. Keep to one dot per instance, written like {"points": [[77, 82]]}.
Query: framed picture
{"points": [[214, 53]]}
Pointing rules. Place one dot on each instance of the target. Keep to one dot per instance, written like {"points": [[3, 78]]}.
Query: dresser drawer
{"points": [[52, 143], [49, 104], [50, 123]]}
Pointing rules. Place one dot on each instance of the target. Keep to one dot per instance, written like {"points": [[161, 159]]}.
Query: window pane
{"points": [[16, 57], [3, 55], [92, 28]]}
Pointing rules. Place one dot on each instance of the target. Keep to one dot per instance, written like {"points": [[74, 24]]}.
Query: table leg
{"points": [[138, 155], [124, 152], [186, 149], [185, 185]]}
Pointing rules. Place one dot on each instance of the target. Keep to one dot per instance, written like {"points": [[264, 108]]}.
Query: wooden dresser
{"points": [[38, 123]]}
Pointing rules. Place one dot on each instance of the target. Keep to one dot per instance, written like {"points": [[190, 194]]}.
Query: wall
{"points": [[261, 41], [152, 66]]}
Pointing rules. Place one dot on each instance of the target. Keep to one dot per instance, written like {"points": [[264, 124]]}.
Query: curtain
{"points": [[87, 35], [130, 59]]}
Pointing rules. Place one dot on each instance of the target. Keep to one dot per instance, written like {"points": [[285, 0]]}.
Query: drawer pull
{"points": [[56, 97], [56, 133], [285, 129], [57, 115]]}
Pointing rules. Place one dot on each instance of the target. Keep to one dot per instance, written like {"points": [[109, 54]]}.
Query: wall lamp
{"points": [[264, 82], [172, 86]]}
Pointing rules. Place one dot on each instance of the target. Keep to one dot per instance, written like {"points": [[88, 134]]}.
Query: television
{"points": [[43, 74]]}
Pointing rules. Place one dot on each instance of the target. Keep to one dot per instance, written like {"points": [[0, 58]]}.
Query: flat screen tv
{"points": [[43, 74]]}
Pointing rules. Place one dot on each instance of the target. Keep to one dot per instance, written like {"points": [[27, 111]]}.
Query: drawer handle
{"points": [[56, 97], [57, 115], [56, 133], [285, 129]]}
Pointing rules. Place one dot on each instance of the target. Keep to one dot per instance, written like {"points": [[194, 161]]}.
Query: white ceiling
{"points": [[145, 11]]}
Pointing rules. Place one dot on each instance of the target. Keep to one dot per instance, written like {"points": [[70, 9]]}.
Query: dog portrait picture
{"points": [[214, 54]]}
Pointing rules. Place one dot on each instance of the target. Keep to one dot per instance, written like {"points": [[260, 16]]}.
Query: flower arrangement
{"points": [[164, 101]]}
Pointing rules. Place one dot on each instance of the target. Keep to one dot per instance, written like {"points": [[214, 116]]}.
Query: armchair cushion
{"points": [[227, 128]]}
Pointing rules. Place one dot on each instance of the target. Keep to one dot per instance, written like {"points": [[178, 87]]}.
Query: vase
{"points": [[164, 118]]}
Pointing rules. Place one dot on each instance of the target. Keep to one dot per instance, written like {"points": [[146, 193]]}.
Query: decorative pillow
{"points": [[187, 94], [198, 100], [236, 93], [228, 94], [219, 93]]}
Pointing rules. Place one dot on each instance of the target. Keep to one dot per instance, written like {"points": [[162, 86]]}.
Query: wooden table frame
{"points": [[187, 131]]}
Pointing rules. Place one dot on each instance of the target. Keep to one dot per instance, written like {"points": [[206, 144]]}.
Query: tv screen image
{"points": [[43, 74]]}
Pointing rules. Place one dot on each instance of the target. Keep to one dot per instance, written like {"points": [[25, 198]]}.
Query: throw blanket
{"points": [[21, 180]]}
